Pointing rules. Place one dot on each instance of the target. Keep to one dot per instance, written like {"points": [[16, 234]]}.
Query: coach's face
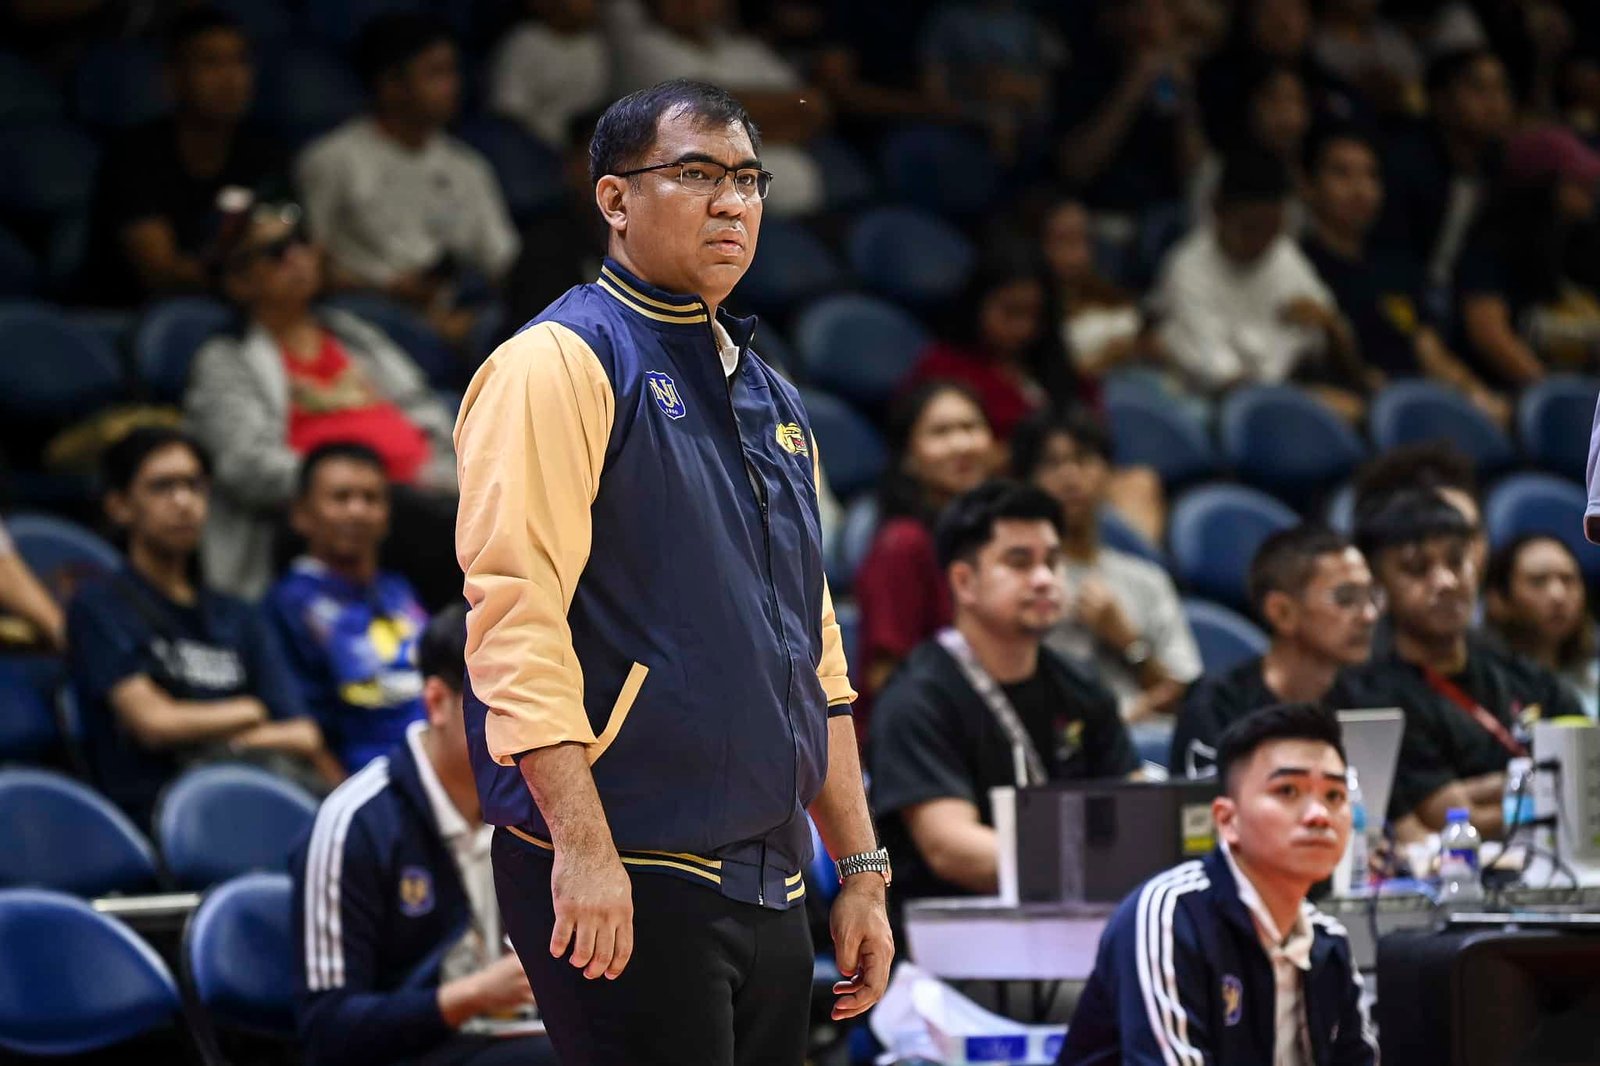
{"points": [[673, 237]]}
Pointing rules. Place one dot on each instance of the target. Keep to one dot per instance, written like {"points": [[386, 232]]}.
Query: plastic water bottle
{"points": [[1360, 868], [1518, 805], [1458, 859]]}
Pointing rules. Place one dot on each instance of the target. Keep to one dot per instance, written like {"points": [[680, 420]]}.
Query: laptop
{"points": [[1372, 746]]}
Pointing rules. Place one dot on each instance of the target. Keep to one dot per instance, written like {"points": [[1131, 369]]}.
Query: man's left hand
{"points": [[863, 947]]}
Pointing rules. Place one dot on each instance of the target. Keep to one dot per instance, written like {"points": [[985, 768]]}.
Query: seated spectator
{"points": [[571, 238], [659, 40], [399, 942], [169, 672], [940, 446], [1356, 44], [1538, 608], [1123, 623], [401, 206], [153, 205], [28, 601], [1277, 118], [1526, 290], [350, 629], [1436, 466], [1380, 292], [1242, 305], [1102, 327], [1237, 956], [984, 704], [1469, 706], [298, 377], [551, 68], [1313, 590]]}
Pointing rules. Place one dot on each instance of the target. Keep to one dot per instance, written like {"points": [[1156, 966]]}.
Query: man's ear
{"points": [[1224, 813], [1495, 606], [1280, 611], [962, 576], [611, 197], [119, 509], [436, 699]]}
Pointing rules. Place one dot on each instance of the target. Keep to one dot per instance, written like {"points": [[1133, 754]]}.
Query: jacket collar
{"points": [[670, 309], [1219, 869]]}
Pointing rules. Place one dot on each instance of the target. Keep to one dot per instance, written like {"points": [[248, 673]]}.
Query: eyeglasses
{"points": [[274, 249], [704, 178], [1356, 597]]}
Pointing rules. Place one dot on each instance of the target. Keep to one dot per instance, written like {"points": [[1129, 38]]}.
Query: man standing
{"points": [[1313, 589], [658, 690]]}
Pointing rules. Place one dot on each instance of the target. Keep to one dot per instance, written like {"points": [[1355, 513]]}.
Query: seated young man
{"points": [[168, 672], [1313, 589], [398, 927], [983, 703], [350, 629], [1222, 959], [1468, 704]]}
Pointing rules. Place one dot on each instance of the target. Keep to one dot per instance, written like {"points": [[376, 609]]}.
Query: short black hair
{"points": [[1325, 135], [1430, 465], [628, 127], [1409, 516], [389, 41], [1029, 439], [190, 24], [1252, 176], [1450, 67], [442, 651], [120, 463], [967, 524], [339, 449], [1281, 721], [1286, 559]]}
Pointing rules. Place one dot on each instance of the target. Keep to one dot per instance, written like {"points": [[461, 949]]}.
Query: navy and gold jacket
{"points": [[643, 561]]}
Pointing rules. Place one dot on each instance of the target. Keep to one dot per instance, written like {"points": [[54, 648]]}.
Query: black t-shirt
{"points": [[1381, 295], [1444, 742], [933, 737], [1144, 169]]}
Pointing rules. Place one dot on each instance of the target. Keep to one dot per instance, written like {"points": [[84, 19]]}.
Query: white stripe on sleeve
{"points": [[1169, 1022], [324, 867]]}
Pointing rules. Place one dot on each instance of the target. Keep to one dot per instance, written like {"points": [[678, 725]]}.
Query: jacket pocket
{"points": [[619, 710]]}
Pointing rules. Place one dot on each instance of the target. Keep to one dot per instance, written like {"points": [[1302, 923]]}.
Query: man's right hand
{"points": [[593, 900]]}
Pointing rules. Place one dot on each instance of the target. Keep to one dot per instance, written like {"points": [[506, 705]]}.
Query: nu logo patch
{"points": [[416, 891], [665, 391], [1232, 999], [793, 439]]}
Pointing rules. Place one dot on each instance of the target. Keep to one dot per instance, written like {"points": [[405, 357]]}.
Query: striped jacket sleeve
{"points": [[339, 901], [530, 443], [833, 671]]}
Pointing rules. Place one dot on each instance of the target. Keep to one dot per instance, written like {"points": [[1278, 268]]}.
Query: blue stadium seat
{"points": [[1340, 510], [858, 347], [1281, 440], [62, 835], [1226, 638], [61, 554], [940, 168], [1115, 532], [118, 84], [776, 352], [19, 268], [530, 172], [168, 336], [306, 91], [792, 266], [1154, 432], [822, 876], [1213, 534], [1542, 503], [1554, 418], [26, 92], [851, 450], [442, 367], [76, 981], [49, 171], [910, 255], [53, 370], [238, 958], [1412, 412], [29, 729], [851, 542], [217, 822], [847, 180]]}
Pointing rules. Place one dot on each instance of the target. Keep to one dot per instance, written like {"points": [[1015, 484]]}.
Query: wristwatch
{"points": [[866, 862]]}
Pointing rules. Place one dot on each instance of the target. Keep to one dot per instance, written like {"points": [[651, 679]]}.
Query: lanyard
{"points": [[1456, 695], [1026, 766]]}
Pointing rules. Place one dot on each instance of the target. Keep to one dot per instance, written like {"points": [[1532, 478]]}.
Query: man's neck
{"points": [[456, 780], [1281, 898], [1447, 655], [168, 573], [620, 254], [1007, 659], [1295, 674], [1342, 243], [1081, 543], [404, 130], [358, 570], [203, 143]]}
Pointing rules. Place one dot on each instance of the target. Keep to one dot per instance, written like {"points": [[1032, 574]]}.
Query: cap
{"points": [[1551, 151]]}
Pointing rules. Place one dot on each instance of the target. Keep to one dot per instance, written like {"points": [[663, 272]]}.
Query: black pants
{"points": [[712, 982]]}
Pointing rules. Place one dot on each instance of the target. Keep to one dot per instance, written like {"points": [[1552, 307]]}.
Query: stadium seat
{"points": [[118, 84], [73, 981], [1281, 440], [306, 91], [26, 92], [858, 347], [238, 960], [19, 268], [940, 168], [1340, 511], [1542, 503], [847, 180], [851, 542], [29, 729], [1554, 418], [61, 554], [1413, 412], [530, 172], [793, 266], [910, 255], [1226, 638], [167, 338], [53, 370], [776, 351], [1115, 532], [62, 835], [217, 822], [442, 367], [1154, 432], [850, 447], [49, 171], [1213, 534]]}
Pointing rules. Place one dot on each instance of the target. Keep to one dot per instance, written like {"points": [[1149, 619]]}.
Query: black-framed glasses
{"points": [[273, 250], [704, 178]]}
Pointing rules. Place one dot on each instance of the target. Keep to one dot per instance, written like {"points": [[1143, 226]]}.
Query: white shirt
{"points": [[469, 847], [383, 210], [1291, 958], [543, 78], [1223, 323]]}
